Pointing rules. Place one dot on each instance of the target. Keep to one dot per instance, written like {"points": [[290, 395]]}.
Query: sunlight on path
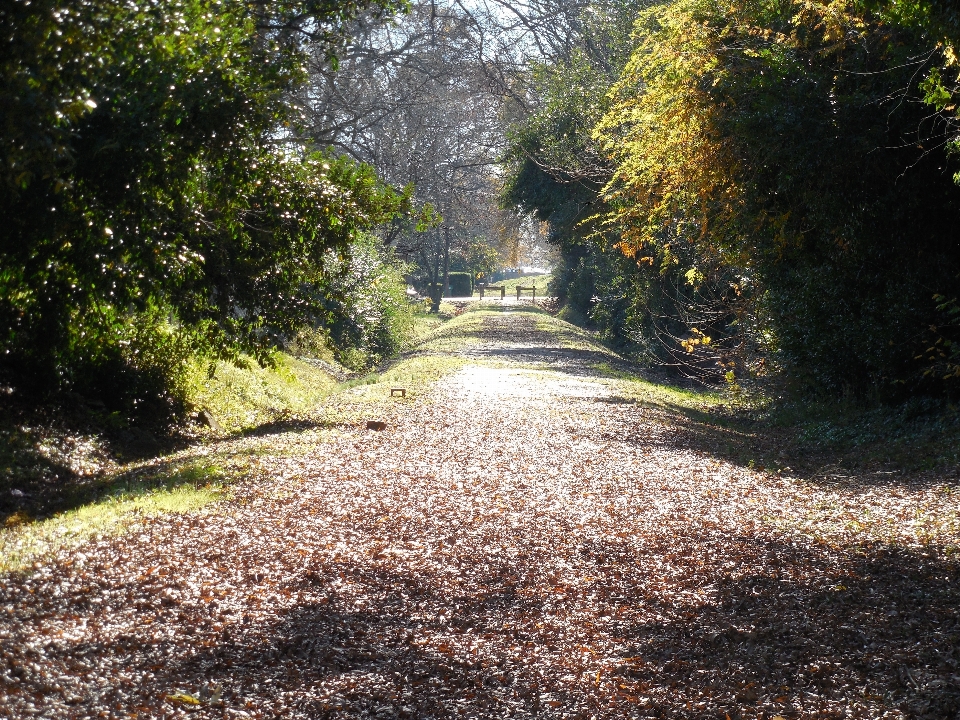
{"points": [[524, 543], [475, 383]]}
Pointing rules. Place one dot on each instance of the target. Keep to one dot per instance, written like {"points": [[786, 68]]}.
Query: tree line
{"points": [[222, 178], [761, 188], [758, 188]]}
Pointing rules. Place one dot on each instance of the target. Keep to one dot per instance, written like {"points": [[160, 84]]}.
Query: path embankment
{"points": [[536, 533]]}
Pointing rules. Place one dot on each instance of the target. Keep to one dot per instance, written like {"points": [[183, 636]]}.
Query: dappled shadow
{"points": [[774, 629], [513, 336], [59, 453], [571, 361], [716, 433], [52, 488], [37, 485], [802, 631], [741, 439], [296, 425], [597, 564], [341, 661]]}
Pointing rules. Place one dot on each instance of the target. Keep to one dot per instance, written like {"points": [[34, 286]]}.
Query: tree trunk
{"points": [[436, 291], [446, 262]]}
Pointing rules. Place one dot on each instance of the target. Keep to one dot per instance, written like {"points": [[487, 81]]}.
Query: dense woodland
{"points": [[747, 192], [772, 184]]}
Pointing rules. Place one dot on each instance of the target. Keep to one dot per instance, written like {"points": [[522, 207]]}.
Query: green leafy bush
{"points": [[140, 167], [460, 284], [135, 363], [366, 311]]}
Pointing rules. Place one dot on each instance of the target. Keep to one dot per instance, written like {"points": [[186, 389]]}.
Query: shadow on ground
{"points": [[278, 427], [796, 634], [795, 631], [740, 438]]}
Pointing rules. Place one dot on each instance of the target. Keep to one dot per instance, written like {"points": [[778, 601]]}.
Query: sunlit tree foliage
{"points": [[791, 141], [146, 160]]}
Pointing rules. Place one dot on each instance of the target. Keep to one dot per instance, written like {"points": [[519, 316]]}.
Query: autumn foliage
{"points": [[781, 167]]}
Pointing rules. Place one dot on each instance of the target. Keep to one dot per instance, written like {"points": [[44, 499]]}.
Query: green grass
{"points": [[672, 397], [569, 336], [179, 487], [456, 334], [426, 322], [414, 374], [114, 497], [628, 383], [244, 397]]}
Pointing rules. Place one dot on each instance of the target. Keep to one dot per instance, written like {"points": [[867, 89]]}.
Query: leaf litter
{"points": [[513, 545]]}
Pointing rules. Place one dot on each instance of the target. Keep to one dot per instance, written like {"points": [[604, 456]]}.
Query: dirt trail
{"points": [[521, 543]]}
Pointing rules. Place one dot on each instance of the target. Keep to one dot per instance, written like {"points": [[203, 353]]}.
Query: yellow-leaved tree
{"points": [[785, 147]]}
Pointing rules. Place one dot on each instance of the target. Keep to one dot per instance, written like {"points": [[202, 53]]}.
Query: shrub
{"points": [[790, 144], [367, 317], [135, 363], [139, 166], [460, 284]]}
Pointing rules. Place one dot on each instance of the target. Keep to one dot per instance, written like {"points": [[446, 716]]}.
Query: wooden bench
{"points": [[501, 288], [532, 288]]}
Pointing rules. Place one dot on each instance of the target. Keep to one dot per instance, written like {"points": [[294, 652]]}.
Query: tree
{"points": [[790, 144], [413, 100], [427, 100], [145, 164], [556, 170]]}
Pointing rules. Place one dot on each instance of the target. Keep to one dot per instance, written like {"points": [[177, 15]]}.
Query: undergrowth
{"points": [[803, 437]]}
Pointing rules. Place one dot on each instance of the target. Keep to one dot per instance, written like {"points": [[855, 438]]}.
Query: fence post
{"points": [[518, 292]]}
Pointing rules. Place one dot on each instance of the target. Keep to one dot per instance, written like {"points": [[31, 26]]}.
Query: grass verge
{"points": [[68, 498], [169, 487], [249, 395], [431, 356], [822, 441]]}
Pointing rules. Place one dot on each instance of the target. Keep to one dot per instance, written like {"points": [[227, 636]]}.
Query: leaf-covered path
{"points": [[525, 541]]}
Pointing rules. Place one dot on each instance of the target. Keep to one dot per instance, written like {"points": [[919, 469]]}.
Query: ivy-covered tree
{"points": [[557, 170]]}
